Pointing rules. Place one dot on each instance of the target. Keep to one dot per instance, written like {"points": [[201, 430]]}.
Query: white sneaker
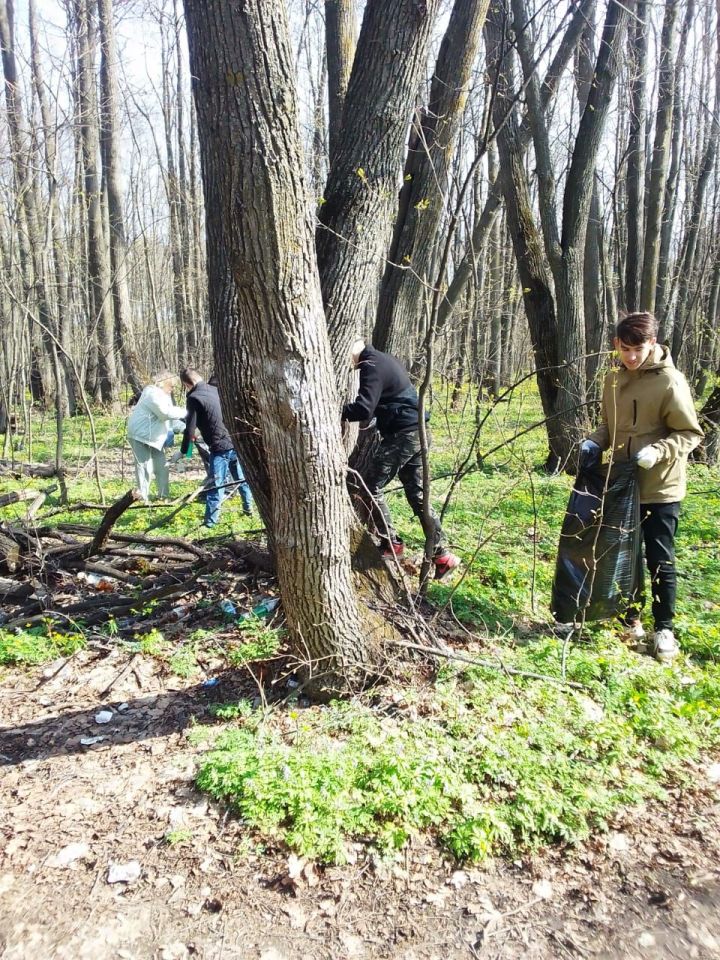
{"points": [[665, 646]]}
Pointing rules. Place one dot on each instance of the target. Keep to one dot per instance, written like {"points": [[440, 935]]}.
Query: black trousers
{"points": [[659, 523], [399, 455]]}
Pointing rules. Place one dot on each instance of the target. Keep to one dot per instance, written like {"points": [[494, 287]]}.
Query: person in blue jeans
{"points": [[239, 485], [204, 414]]}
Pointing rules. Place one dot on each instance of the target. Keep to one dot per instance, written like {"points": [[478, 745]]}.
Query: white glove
{"points": [[647, 457]]}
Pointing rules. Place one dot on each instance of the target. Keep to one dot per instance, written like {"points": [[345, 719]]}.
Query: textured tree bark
{"points": [[660, 158], [62, 326], [564, 242], [97, 254], [340, 40], [265, 279], [425, 183], [110, 142], [638, 48], [686, 272], [361, 191]]}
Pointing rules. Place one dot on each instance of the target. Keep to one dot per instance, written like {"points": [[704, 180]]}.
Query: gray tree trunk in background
{"points": [[134, 370]]}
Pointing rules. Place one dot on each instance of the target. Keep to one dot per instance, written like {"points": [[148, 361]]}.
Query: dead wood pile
{"points": [[72, 576]]}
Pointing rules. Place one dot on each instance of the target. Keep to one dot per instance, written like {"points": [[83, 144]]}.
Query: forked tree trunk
{"points": [[265, 279], [408, 279], [361, 191]]}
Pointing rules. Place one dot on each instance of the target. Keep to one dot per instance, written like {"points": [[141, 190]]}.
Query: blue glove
{"points": [[590, 453]]}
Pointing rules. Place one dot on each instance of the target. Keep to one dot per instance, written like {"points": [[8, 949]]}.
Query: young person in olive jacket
{"points": [[387, 394], [648, 416]]}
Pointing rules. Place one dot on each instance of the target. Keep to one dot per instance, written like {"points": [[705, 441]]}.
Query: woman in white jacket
{"points": [[147, 429]]}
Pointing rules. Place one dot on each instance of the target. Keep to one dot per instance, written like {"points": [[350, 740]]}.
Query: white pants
{"points": [[150, 463]]}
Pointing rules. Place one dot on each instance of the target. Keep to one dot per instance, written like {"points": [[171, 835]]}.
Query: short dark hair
{"points": [[637, 328], [190, 376]]}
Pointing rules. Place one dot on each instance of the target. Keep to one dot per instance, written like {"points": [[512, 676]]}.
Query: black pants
{"points": [[659, 523], [399, 455]]}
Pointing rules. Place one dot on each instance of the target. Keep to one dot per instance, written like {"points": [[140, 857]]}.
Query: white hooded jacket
{"points": [[150, 420]]}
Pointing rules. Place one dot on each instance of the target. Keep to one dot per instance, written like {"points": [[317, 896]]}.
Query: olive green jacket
{"points": [[651, 405]]}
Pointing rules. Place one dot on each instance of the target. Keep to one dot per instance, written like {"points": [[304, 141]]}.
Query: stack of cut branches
{"points": [[74, 576]]}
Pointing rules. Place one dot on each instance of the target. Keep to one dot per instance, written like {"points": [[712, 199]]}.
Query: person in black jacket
{"points": [[204, 414], [387, 394]]}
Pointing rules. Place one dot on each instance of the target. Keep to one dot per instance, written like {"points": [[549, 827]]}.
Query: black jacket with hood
{"points": [[204, 414], [385, 393]]}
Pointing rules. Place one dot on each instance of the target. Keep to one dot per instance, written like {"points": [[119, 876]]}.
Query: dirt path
{"points": [[68, 812]]}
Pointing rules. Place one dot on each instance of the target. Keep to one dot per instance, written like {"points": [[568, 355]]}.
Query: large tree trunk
{"points": [[361, 190], [259, 228], [423, 199], [340, 39]]}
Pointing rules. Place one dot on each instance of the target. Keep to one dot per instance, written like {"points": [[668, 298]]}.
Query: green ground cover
{"points": [[485, 760]]}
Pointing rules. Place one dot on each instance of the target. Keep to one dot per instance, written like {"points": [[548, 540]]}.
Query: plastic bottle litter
{"points": [[228, 608], [262, 609], [178, 613], [124, 872]]}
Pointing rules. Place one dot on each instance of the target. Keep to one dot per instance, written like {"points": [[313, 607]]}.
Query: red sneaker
{"points": [[395, 548], [444, 563]]}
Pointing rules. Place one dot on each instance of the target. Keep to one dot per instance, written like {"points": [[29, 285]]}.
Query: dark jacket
{"points": [[204, 414], [385, 393]]}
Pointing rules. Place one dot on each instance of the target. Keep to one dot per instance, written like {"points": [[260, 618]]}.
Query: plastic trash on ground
{"points": [[262, 609]]}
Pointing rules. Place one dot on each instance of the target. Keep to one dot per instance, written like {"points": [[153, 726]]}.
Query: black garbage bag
{"points": [[599, 567]]}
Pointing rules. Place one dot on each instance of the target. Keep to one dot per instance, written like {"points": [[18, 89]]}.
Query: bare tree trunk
{"points": [[664, 279], [265, 278], [707, 166], [565, 246], [98, 264], [361, 188], [426, 178], [341, 38], [64, 322], [636, 154], [132, 366], [660, 158]]}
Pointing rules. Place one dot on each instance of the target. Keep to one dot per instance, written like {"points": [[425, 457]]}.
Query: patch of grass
{"points": [[175, 838], [492, 764], [259, 642], [37, 645]]}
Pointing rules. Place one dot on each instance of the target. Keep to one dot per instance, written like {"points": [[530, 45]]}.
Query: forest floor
{"points": [[650, 887]]}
